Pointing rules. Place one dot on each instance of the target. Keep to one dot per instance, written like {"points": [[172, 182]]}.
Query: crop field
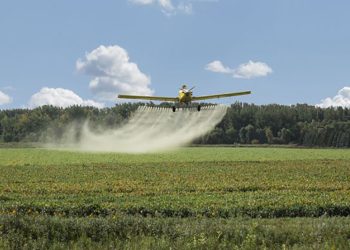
{"points": [[192, 198]]}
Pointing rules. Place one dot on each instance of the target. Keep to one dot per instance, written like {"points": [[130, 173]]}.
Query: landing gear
{"points": [[174, 108], [199, 108]]}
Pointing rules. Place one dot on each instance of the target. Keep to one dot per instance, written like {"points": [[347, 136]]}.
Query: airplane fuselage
{"points": [[185, 97]]}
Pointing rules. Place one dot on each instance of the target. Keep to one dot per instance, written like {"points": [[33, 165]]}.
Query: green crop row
{"points": [[47, 157], [96, 210], [24, 232]]}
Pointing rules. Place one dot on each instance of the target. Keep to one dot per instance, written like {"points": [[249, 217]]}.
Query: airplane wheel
{"points": [[174, 108], [199, 108]]}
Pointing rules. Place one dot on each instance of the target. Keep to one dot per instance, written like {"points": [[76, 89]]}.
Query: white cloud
{"points": [[113, 73], [61, 98], [4, 99], [247, 70], [342, 99], [142, 2], [251, 70], [167, 6], [218, 67]]}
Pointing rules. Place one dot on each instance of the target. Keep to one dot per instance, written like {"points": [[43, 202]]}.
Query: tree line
{"points": [[243, 123]]}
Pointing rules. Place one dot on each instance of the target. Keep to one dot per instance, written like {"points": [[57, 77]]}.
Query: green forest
{"points": [[300, 124]]}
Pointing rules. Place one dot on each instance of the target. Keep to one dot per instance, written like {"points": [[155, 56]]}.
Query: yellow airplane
{"points": [[185, 97]]}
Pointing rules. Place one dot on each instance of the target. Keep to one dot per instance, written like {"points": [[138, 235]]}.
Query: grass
{"points": [[176, 233], [191, 190], [43, 157]]}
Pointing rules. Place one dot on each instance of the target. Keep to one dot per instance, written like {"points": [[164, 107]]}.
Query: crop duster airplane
{"points": [[184, 98]]}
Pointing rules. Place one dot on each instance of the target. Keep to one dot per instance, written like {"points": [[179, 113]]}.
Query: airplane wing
{"points": [[151, 98], [205, 97]]}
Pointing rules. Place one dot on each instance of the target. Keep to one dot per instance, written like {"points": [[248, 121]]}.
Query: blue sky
{"points": [[87, 52]]}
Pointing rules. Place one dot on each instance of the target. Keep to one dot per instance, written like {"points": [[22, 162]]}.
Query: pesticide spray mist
{"points": [[151, 129]]}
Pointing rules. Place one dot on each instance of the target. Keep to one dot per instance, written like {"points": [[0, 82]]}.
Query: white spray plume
{"points": [[152, 129]]}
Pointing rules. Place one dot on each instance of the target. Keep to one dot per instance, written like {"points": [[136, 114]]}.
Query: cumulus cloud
{"points": [[113, 73], [61, 98], [4, 99], [252, 69], [218, 67], [342, 99], [247, 70], [167, 6]]}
